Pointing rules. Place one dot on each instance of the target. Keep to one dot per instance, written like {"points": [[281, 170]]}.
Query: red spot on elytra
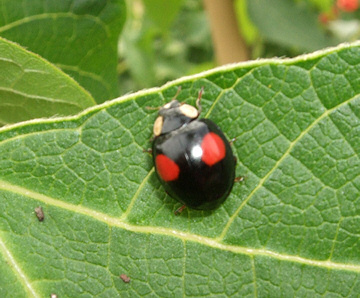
{"points": [[213, 148], [167, 169]]}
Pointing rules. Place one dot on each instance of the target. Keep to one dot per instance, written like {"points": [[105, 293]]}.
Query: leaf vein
{"points": [[86, 74], [264, 179], [54, 16], [16, 269], [206, 241], [136, 195]]}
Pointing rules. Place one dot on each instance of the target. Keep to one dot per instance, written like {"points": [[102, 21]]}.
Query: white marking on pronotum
{"points": [[158, 124], [167, 106], [189, 111]]}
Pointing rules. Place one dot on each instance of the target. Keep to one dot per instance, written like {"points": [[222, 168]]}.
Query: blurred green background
{"points": [[113, 47], [164, 40]]}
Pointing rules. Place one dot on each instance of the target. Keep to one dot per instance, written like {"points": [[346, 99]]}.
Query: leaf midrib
{"points": [[42, 98], [55, 15], [206, 241]]}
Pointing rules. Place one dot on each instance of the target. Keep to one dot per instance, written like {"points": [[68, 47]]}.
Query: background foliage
{"points": [[80, 37]]}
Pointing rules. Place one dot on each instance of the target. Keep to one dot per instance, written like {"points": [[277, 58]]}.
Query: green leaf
{"points": [[79, 36], [31, 87], [289, 24], [162, 13], [292, 228], [246, 27]]}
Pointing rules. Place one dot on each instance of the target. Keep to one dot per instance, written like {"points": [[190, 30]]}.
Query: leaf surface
{"points": [[31, 87], [290, 229], [78, 36]]}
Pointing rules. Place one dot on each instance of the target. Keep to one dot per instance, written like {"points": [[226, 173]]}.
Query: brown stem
{"points": [[228, 43]]}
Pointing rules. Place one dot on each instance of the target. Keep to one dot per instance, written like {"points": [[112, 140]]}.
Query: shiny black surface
{"points": [[199, 186], [173, 117]]}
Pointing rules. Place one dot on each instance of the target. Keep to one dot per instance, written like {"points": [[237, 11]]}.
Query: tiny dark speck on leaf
{"points": [[125, 278], [39, 213]]}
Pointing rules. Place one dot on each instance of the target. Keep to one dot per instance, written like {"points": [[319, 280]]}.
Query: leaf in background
{"points": [[247, 28], [292, 228], [288, 23], [78, 36], [31, 87], [154, 56], [162, 13]]}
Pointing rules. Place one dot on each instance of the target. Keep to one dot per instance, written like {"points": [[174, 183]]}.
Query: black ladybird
{"points": [[192, 157]]}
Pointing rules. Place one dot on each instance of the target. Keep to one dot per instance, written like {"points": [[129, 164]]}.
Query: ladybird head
{"points": [[173, 115]]}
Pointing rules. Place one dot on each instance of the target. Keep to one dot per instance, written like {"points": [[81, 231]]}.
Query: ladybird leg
{"points": [[239, 179], [177, 92], [179, 210], [232, 141], [198, 100], [149, 150], [158, 108], [152, 108]]}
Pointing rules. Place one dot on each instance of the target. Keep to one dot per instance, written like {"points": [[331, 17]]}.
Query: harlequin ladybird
{"points": [[192, 157]]}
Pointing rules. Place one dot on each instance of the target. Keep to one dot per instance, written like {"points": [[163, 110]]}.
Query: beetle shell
{"points": [[195, 163]]}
